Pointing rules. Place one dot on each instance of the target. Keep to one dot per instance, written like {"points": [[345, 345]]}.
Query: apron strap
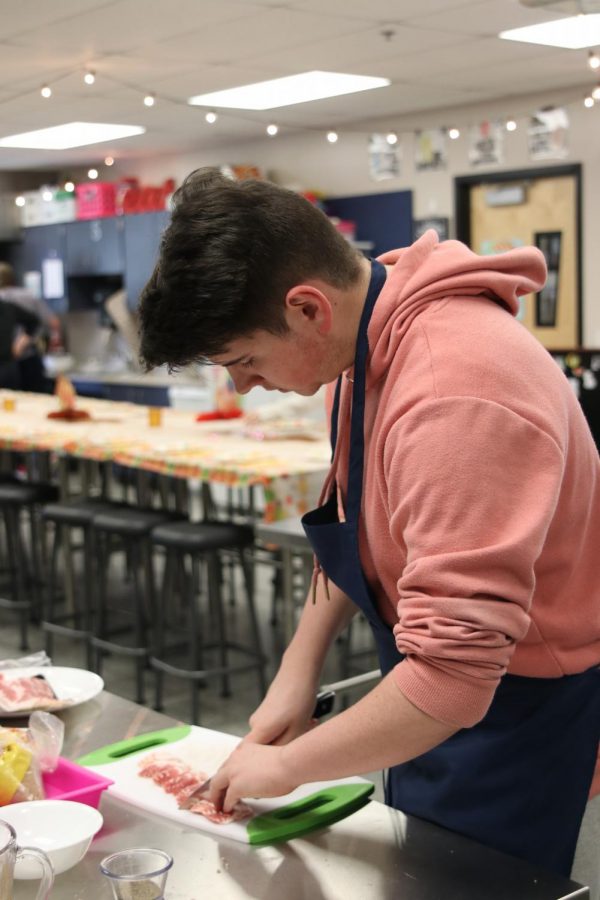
{"points": [[357, 432]]}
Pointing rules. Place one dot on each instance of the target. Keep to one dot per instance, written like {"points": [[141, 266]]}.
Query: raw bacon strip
{"points": [[208, 810], [24, 694], [177, 778]]}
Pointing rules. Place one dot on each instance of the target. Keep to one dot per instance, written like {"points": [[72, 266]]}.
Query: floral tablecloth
{"points": [[290, 470]]}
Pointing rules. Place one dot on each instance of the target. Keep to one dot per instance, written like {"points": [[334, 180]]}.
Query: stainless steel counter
{"points": [[375, 854]]}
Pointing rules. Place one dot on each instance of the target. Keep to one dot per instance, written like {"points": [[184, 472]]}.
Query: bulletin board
{"points": [[384, 219], [547, 215]]}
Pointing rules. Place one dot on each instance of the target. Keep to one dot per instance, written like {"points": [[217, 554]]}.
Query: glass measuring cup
{"points": [[10, 853], [137, 874]]}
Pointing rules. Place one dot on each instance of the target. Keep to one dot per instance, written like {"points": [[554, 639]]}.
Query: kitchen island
{"points": [[375, 854]]}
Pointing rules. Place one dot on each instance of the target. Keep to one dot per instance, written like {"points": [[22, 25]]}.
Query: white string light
{"points": [[593, 60], [46, 91], [596, 92], [47, 195], [392, 138], [589, 101], [20, 201], [211, 117], [149, 100], [453, 133], [108, 161], [272, 130], [511, 125], [332, 136], [89, 77], [92, 173], [69, 187]]}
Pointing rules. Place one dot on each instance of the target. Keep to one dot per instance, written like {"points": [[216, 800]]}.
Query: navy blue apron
{"points": [[517, 781]]}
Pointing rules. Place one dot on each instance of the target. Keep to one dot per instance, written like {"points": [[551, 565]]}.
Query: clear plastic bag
{"points": [[25, 753]]}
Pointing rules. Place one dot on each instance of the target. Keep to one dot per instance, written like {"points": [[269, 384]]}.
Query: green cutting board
{"points": [[307, 809]]}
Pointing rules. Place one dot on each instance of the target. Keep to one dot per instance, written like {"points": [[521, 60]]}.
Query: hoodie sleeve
{"points": [[472, 487]]}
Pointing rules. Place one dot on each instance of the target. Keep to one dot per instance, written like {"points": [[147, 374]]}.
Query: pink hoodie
{"points": [[480, 526]]}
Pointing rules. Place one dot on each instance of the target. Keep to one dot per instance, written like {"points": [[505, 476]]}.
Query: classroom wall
{"points": [[307, 160]]}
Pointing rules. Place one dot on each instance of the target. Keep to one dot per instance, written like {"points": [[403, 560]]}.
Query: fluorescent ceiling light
{"points": [[72, 134], [289, 90], [573, 33]]}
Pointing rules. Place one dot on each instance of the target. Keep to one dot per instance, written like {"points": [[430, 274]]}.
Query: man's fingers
{"points": [[231, 797]]}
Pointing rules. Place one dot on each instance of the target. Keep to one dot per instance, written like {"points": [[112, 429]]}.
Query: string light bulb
{"points": [[69, 187], [332, 136], [272, 130], [149, 100], [211, 117], [392, 138], [596, 92], [46, 91], [47, 195], [20, 200], [593, 60], [511, 125], [453, 133], [109, 161], [588, 101], [92, 173], [89, 77]]}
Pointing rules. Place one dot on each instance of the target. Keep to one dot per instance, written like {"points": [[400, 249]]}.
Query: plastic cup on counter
{"points": [[137, 874], [154, 416]]}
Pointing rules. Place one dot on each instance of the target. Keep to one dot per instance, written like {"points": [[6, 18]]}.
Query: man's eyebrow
{"points": [[230, 362]]}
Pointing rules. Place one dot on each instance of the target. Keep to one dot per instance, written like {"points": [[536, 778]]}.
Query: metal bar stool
{"points": [[132, 528], [26, 576], [74, 621], [203, 541]]}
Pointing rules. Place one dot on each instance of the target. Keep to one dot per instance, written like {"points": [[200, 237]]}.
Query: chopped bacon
{"points": [[177, 778], [24, 694]]}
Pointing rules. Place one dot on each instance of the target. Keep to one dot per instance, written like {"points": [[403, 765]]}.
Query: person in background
{"points": [[32, 376], [17, 330], [461, 515]]}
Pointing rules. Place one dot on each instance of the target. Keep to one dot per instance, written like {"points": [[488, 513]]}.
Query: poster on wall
{"points": [[546, 300], [430, 150], [486, 144], [384, 158], [438, 223], [548, 133]]}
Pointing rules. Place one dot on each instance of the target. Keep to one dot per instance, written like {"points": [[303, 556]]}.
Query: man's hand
{"points": [[252, 770], [20, 345], [286, 711]]}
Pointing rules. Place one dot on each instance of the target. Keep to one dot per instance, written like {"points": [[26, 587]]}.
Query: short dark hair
{"points": [[228, 258]]}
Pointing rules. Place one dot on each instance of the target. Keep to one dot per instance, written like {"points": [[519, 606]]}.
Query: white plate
{"points": [[73, 686]]}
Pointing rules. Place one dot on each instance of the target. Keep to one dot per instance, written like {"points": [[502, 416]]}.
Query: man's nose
{"points": [[243, 382]]}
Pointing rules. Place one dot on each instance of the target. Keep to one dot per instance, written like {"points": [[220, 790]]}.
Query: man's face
{"points": [[288, 362]]}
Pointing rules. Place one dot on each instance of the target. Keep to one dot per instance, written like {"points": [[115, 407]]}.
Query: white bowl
{"points": [[61, 828]]}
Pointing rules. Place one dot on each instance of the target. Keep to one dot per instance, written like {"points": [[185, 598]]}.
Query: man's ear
{"points": [[309, 306]]}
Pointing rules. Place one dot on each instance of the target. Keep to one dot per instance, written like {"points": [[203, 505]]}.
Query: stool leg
{"points": [[37, 566], [194, 645], [248, 571], [214, 596], [139, 624], [160, 628], [16, 558], [100, 626], [88, 602], [50, 594]]}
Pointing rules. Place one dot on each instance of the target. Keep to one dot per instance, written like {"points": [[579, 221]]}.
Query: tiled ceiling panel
{"points": [[438, 54]]}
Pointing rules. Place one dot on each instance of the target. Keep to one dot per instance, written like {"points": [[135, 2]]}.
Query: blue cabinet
{"points": [[39, 243], [95, 247], [142, 240]]}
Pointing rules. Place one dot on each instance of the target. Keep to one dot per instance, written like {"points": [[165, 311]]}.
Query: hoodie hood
{"points": [[430, 271]]}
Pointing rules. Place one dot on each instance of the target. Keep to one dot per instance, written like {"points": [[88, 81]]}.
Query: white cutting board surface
{"points": [[203, 750]]}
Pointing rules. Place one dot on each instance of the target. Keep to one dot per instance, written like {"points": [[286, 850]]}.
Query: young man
{"points": [[461, 513]]}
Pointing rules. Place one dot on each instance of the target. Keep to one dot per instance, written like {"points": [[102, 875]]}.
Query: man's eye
{"points": [[247, 363]]}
